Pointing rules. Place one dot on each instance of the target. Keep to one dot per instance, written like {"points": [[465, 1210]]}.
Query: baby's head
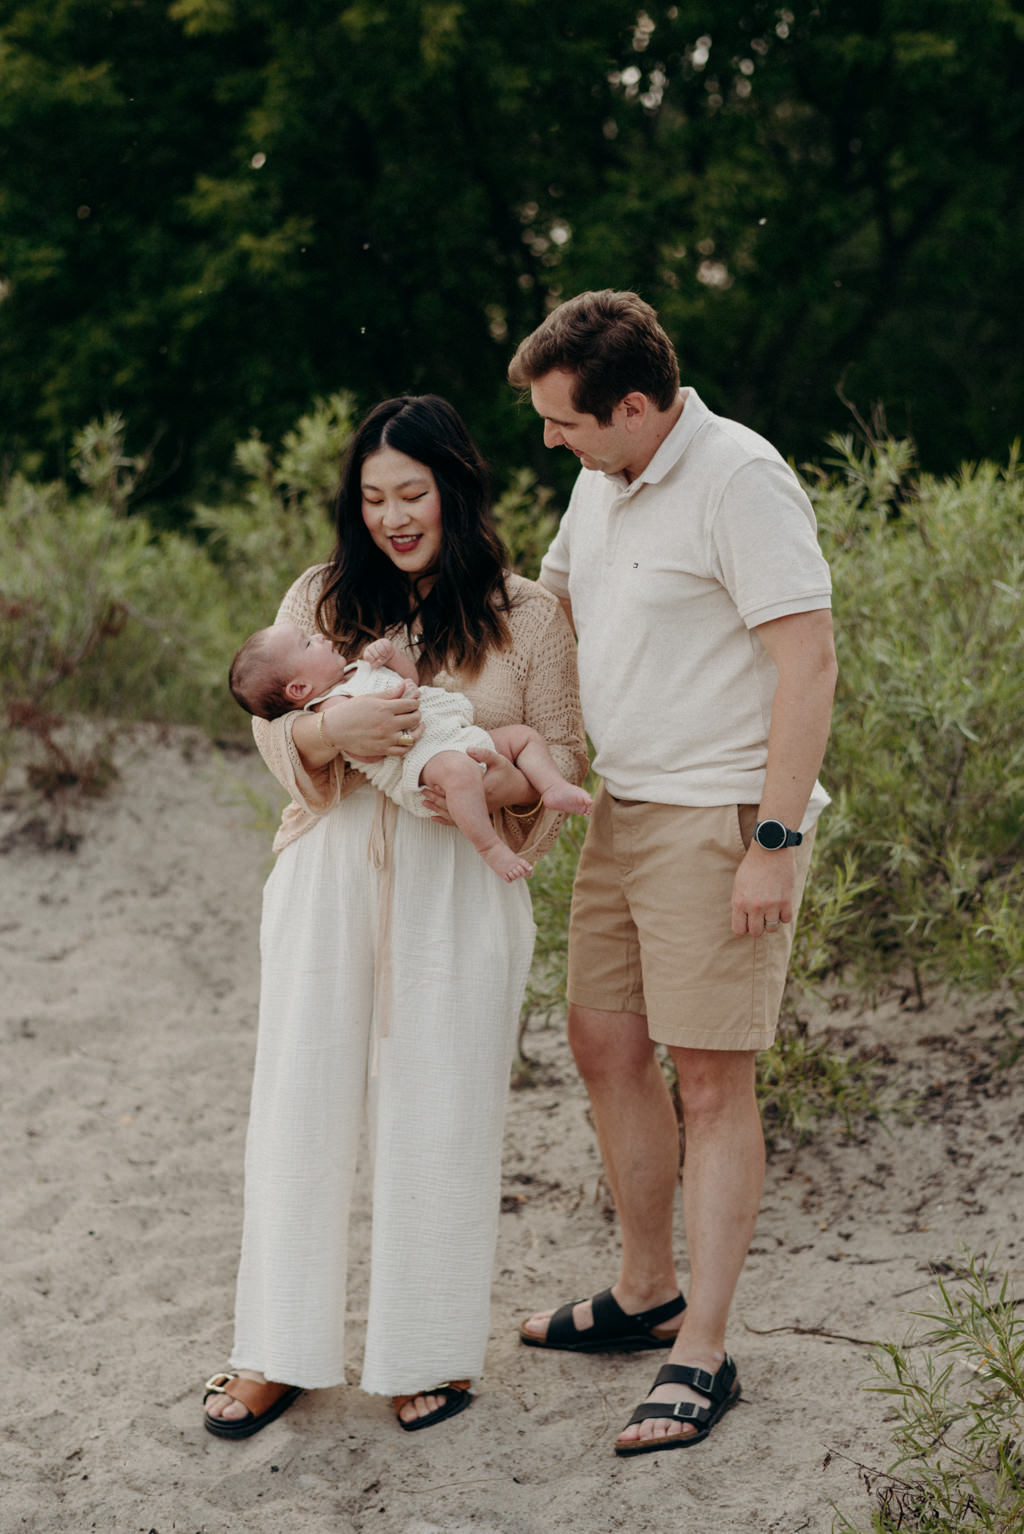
{"points": [[281, 668]]}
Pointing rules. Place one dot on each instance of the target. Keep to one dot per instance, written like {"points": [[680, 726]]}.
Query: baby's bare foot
{"points": [[505, 862], [573, 801]]}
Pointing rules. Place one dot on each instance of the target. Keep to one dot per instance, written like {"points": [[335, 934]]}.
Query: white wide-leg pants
{"points": [[461, 941]]}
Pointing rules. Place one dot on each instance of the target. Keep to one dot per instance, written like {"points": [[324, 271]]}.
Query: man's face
{"points": [[605, 448]]}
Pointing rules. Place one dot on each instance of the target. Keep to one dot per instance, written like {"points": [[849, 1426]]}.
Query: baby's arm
{"points": [[382, 652]]}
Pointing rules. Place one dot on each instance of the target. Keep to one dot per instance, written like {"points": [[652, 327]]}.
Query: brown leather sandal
{"points": [[457, 1396], [265, 1401]]}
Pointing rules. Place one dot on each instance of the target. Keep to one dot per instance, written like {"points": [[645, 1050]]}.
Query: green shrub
{"points": [[526, 520], [918, 863], [803, 1081], [99, 615], [278, 521], [958, 1405]]}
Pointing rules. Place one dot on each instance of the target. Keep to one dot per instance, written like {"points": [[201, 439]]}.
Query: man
{"points": [[688, 563]]}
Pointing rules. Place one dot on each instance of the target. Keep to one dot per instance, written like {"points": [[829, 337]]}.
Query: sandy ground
{"points": [[128, 962]]}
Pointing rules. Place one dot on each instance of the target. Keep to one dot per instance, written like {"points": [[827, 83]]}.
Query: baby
{"points": [[279, 669]]}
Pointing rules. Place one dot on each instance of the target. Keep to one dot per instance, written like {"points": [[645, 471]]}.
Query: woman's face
{"points": [[402, 510]]}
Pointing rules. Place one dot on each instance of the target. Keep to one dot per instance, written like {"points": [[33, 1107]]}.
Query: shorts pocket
{"points": [[746, 820]]}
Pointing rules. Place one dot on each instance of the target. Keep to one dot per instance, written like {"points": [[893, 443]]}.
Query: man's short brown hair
{"points": [[612, 343]]}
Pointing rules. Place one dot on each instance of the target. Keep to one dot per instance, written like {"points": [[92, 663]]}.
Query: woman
{"points": [[393, 959]]}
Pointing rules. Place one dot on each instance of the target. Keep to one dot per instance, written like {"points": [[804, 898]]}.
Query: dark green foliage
{"points": [[212, 212]]}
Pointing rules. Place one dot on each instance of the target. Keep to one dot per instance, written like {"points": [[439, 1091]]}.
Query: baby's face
{"points": [[309, 658]]}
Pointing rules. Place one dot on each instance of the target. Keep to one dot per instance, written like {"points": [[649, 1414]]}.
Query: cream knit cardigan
{"points": [[533, 681]]}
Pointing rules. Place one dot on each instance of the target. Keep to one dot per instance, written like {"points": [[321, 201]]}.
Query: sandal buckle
{"points": [[216, 1382], [685, 1411]]}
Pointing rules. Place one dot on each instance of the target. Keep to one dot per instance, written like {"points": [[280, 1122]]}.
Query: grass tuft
{"points": [[956, 1394]]}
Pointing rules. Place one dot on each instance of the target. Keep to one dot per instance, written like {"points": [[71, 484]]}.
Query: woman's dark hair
{"points": [[365, 595]]}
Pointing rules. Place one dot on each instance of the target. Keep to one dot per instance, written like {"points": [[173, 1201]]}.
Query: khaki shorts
{"points": [[651, 925]]}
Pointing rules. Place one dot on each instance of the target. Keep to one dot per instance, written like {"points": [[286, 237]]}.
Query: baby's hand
{"points": [[380, 652]]}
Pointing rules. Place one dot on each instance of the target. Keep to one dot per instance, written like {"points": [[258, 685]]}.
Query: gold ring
{"points": [[405, 738]]}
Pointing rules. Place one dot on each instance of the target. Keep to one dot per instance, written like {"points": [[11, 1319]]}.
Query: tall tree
{"points": [[211, 211]]}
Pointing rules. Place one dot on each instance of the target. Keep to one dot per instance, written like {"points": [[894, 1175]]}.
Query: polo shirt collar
{"points": [[695, 413]]}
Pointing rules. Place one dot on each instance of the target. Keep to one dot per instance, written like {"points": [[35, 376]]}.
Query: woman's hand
{"points": [[383, 724], [503, 784], [364, 729]]}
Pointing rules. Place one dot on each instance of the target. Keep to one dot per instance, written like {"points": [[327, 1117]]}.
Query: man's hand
{"points": [[762, 892]]}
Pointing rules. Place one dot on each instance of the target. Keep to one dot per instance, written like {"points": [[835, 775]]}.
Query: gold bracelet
{"points": [[524, 814], [320, 729]]}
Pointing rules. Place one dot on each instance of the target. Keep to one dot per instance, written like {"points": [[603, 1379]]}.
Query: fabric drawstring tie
{"points": [[379, 855]]}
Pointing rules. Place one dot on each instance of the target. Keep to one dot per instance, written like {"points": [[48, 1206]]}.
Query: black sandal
{"points": [[722, 1391], [612, 1331], [457, 1396], [264, 1400]]}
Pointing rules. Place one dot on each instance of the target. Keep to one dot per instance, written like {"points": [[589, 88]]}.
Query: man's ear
{"points": [[633, 411], [298, 692]]}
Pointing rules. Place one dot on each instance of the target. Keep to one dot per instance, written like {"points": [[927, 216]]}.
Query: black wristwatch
{"points": [[772, 835]]}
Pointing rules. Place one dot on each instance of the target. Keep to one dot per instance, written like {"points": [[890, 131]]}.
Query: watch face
{"points": [[771, 834]]}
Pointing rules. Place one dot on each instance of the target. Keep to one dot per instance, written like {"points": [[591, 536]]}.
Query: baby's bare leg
{"points": [[530, 753], [463, 784]]}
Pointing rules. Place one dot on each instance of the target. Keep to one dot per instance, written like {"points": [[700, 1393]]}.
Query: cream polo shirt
{"points": [[668, 577]]}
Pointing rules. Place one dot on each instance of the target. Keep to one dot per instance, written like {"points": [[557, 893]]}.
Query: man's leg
{"points": [[639, 1139], [722, 1180]]}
